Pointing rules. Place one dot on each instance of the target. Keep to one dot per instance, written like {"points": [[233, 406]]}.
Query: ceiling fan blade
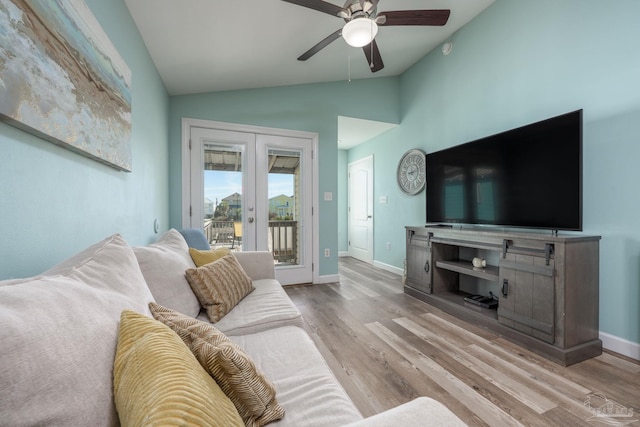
{"points": [[437, 17], [319, 5], [375, 62], [324, 43]]}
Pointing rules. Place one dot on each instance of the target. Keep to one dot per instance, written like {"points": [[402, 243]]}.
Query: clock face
{"points": [[412, 172]]}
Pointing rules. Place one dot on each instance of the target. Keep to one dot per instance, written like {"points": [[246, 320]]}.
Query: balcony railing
{"points": [[282, 238], [283, 241], [219, 233]]}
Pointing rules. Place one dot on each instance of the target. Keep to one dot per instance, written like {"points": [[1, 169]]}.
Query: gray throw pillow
{"points": [[58, 335]]}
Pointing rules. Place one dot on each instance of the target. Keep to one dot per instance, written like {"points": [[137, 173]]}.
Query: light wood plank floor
{"points": [[387, 348]]}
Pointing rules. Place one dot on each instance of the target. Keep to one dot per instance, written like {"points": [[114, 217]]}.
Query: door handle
{"points": [[250, 219], [505, 288]]}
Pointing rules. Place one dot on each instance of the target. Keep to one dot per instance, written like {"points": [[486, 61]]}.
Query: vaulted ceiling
{"points": [[217, 45]]}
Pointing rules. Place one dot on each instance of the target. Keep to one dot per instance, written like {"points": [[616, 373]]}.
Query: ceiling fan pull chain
{"points": [[371, 65], [349, 67]]}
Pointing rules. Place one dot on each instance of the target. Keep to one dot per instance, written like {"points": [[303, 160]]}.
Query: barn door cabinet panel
{"points": [[547, 285], [418, 262], [527, 297]]}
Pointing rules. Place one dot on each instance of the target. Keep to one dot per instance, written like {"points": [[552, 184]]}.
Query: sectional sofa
{"points": [[61, 331]]}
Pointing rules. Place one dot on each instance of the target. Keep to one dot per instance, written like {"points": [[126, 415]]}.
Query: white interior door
{"points": [[360, 177], [253, 191]]}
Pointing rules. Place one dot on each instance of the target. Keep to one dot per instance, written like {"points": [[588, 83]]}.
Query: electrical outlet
{"points": [[327, 253], [388, 245]]}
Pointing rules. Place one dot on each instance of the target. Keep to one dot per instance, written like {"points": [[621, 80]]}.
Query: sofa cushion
{"points": [[58, 335], [201, 258], [417, 412], [252, 394], [306, 387], [163, 264], [219, 286], [158, 381], [257, 264], [267, 307]]}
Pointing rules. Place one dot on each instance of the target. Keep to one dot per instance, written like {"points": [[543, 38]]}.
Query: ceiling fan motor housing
{"points": [[357, 13], [353, 9]]}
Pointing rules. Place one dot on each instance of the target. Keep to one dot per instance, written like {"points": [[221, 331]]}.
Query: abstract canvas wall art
{"points": [[62, 79]]}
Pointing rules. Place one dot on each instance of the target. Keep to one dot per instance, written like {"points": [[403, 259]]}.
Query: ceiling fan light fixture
{"points": [[359, 32]]}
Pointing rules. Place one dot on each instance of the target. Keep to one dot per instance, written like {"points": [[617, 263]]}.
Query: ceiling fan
{"points": [[362, 21]]}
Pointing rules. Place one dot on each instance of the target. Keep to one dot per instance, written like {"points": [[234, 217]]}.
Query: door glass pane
{"points": [[285, 202], [223, 195]]}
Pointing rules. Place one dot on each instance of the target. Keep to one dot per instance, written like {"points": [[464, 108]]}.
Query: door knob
{"points": [[250, 219]]}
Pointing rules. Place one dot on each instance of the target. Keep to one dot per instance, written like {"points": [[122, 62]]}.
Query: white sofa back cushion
{"points": [[163, 264], [59, 334]]}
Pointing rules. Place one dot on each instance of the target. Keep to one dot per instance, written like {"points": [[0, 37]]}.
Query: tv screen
{"points": [[526, 177]]}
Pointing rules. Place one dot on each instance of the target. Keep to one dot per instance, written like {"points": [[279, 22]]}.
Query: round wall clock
{"points": [[412, 171]]}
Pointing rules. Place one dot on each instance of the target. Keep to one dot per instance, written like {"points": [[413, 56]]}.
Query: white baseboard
{"points": [[343, 253], [620, 345], [329, 278], [388, 267]]}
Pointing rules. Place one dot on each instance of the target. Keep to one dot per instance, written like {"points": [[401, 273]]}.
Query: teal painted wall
{"points": [[343, 200], [54, 202], [390, 218], [311, 108], [519, 62]]}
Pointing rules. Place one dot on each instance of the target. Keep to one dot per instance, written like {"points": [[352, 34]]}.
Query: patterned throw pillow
{"points": [[252, 394], [219, 285], [201, 258], [157, 380]]}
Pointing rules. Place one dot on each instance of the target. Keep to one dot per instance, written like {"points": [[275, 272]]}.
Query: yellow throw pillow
{"points": [[219, 285], [201, 258], [157, 380], [249, 390]]}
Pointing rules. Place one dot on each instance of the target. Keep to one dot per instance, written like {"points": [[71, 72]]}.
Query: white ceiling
{"points": [[352, 131], [216, 45]]}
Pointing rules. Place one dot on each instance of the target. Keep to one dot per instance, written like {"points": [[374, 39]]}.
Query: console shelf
{"points": [[455, 300], [465, 267], [547, 285]]}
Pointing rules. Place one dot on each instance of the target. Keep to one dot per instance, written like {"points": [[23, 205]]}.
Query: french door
{"points": [[254, 191]]}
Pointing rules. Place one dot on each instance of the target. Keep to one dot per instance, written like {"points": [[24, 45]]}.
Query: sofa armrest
{"points": [[257, 264], [421, 412]]}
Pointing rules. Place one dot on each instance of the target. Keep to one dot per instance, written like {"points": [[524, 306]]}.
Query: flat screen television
{"points": [[527, 177]]}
